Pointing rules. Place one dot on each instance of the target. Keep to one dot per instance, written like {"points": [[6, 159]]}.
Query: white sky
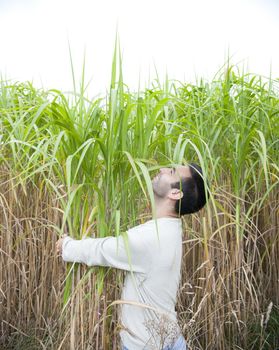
{"points": [[186, 38]]}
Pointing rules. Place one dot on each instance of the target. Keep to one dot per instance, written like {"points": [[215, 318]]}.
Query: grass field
{"points": [[72, 164]]}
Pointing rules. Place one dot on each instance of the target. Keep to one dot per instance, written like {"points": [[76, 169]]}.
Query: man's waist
{"points": [[146, 326]]}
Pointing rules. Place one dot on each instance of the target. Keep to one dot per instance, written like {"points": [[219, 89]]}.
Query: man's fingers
{"points": [[59, 243], [57, 247]]}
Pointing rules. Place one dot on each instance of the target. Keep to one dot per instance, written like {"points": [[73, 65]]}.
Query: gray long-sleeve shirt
{"points": [[151, 255]]}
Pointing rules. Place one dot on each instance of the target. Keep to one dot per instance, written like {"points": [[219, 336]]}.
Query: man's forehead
{"points": [[183, 170]]}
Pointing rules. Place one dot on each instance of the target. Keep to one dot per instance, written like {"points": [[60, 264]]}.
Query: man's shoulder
{"points": [[146, 226], [160, 225]]}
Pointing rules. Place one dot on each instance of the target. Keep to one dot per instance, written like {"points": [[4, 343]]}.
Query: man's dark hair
{"points": [[193, 188]]}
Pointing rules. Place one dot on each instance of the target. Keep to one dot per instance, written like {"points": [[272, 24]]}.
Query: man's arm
{"points": [[130, 253]]}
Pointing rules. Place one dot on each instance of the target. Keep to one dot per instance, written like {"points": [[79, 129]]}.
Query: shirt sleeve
{"points": [[126, 252]]}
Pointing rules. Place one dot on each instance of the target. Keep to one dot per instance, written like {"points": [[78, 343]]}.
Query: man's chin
{"points": [[155, 192], [153, 181], [154, 188]]}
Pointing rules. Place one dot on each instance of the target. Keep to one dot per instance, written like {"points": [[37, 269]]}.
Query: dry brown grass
{"points": [[224, 283]]}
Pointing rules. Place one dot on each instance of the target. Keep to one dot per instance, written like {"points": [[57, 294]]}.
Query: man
{"points": [[151, 254]]}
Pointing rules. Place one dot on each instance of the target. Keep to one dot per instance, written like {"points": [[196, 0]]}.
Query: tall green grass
{"points": [[81, 166]]}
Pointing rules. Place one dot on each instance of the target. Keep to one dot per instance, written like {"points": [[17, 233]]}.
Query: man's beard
{"points": [[160, 192]]}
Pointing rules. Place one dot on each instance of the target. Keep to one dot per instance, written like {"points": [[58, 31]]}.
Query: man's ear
{"points": [[175, 194]]}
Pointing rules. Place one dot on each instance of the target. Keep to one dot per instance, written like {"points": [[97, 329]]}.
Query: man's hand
{"points": [[59, 243]]}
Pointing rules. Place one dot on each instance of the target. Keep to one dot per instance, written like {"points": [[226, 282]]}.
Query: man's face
{"points": [[167, 176]]}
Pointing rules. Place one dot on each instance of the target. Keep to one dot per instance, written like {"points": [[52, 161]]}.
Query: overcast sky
{"points": [[186, 38]]}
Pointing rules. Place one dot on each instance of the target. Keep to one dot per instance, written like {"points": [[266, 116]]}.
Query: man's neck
{"points": [[160, 216], [163, 210]]}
